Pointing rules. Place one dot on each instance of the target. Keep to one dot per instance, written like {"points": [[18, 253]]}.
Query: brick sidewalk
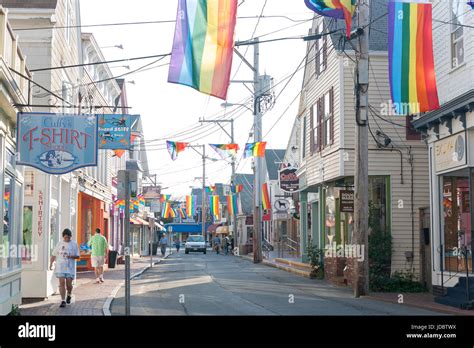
{"points": [[88, 297]]}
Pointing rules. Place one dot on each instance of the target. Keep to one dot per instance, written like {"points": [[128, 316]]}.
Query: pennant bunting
{"points": [[232, 205], [266, 197], [339, 9], [203, 45], [119, 153], [255, 149], [225, 150], [214, 206], [191, 205], [174, 148], [411, 63]]}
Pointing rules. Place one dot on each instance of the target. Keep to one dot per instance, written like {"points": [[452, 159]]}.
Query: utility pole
{"points": [[127, 243], [203, 212], [232, 180], [361, 180], [257, 238]]}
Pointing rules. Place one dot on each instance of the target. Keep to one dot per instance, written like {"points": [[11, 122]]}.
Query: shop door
{"points": [[425, 247]]}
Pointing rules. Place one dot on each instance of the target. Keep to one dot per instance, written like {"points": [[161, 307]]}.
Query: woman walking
{"points": [[65, 254], [178, 245]]}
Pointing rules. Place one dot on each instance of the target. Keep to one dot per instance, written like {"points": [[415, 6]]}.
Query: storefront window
{"points": [[378, 204], [456, 222], [330, 218], [27, 232], [5, 263]]}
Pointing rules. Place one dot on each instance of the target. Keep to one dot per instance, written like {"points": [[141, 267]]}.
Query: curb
{"points": [[108, 303], [299, 272]]}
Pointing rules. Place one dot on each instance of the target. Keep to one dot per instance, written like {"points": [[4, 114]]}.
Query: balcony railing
{"points": [[12, 56]]}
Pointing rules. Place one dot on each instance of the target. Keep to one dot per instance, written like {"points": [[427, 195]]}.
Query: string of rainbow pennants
{"points": [[256, 149]]}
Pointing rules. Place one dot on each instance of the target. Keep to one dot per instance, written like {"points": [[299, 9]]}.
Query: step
{"points": [[294, 263], [462, 282], [439, 291], [460, 292], [294, 270], [455, 302]]}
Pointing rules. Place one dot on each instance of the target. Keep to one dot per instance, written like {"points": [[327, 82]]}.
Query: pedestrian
{"points": [[99, 247], [217, 243], [65, 255], [178, 245], [226, 245], [232, 245], [163, 244]]}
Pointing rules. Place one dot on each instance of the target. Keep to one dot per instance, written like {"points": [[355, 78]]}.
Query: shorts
{"points": [[65, 275], [97, 261]]}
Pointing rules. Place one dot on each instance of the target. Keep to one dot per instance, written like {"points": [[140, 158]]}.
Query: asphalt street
{"points": [[197, 284]]}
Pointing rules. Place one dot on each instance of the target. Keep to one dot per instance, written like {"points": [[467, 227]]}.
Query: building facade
{"points": [[398, 180], [449, 133], [16, 238]]}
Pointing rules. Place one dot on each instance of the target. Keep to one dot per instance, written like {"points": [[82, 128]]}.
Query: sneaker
{"points": [[68, 299], [101, 279], [97, 281], [63, 304]]}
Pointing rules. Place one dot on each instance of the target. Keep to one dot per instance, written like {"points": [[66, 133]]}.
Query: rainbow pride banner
{"points": [[237, 189], [410, 53], [225, 150], [203, 45], [191, 205], [214, 206], [339, 9], [174, 148], [182, 213], [165, 198], [168, 211], [266, 197], [232, 205], [255, 149]]}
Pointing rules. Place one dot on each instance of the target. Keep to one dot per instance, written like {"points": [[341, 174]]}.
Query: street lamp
{"points": [[114, 46], [228, 105]]}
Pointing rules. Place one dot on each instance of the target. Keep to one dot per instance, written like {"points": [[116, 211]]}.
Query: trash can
{"points": [[112, 258]]}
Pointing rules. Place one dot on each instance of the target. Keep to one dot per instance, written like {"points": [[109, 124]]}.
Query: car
{"points": [[195, 243]]}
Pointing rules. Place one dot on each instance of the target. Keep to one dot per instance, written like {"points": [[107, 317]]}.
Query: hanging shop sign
{"points": [[56, 143], [346, 201], [288, 180], [450, 152], [115, 131]]}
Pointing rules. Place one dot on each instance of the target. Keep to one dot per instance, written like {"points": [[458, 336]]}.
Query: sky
{"points": [[172, 112]]}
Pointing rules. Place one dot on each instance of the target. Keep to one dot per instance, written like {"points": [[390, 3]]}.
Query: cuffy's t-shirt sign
{"points": [[57, 143]]}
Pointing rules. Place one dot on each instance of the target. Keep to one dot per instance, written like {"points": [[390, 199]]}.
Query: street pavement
{"points": [[197, 284]]}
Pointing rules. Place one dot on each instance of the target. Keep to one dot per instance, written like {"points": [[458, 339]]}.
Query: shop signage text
{"points": [[450, 152], [346, 199], [115, 131], [288, 180], [56, 143]]}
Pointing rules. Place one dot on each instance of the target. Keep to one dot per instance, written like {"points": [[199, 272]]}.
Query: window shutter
{"points": [[311, 127], [325, 51], [331, 120], [320, 123], [317, 60], [411, 132]]}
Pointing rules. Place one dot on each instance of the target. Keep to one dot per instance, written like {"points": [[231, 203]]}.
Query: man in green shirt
{"points": [[99, 248]]}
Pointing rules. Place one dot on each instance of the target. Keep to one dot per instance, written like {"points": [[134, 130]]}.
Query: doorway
{"points": [[425, 247]]}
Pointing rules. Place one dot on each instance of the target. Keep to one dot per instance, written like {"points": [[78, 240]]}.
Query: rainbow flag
{"points": [[232, 205], [141, 200], [266, 197], [225, 150], [411, 63], [339, 9], [174, 148], [182, 214], [168, 211], [214, 206], [191, 205], [165, 198], [238, 188], [203, 45], [255, 149]]}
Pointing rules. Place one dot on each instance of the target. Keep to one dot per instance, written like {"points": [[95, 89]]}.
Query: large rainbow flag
{"points": [[232, 205], [191, 205], [339, 9], [165, 198], [168, 211], [203, 45], [255, 149], [266, 197], [411, 63], [214, 206]]}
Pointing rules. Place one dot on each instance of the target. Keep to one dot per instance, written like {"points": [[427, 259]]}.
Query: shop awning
{"points": [[213, 228], [143, 222], [222, 230]]}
